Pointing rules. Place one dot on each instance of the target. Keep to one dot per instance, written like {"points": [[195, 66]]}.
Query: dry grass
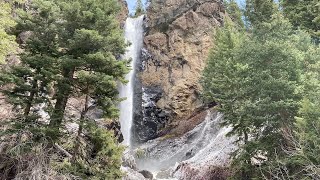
{"points": [[5, 109], [34, 165]]}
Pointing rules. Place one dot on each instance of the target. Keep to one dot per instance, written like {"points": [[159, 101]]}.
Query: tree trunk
{"points": [[30, 98], [81, 123], [63, 93]]}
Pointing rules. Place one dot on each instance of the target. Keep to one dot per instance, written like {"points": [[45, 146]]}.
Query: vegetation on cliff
{"points": [[72, 52], [7, 43], [139, 9], [265, 80]]}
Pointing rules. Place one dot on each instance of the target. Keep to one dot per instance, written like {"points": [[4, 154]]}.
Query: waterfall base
{"points": [[203, 150]]}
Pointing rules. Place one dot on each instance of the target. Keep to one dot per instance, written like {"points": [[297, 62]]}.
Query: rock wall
{"points": [[177, 42], [124, 12]]}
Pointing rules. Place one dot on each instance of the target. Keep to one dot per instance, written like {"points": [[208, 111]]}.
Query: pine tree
{"points": [[7, 43], [304, 141], [222, 65], [73, 48], [234, 12], [304, 14], [28, 81], [139, 8], [255, 85], [91, 41], [259, 11]]}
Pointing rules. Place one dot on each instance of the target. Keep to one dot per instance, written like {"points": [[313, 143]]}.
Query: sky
{"points": [[131, 4]]}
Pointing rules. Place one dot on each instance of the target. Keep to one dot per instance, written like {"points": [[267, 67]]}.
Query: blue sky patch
{"points": [[132, 3]]}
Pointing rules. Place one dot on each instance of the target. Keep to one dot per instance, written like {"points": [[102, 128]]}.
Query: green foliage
{"points": [[299, 158], [140, 153], [305, 142], [7, 43], [72, 51], [255, 80], [100, 159], [28, 82], [304, 14], [234, 12], [139, 9], [259, 11], [91, 41], [72, 45]]}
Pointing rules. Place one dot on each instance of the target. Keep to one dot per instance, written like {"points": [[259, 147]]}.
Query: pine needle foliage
{"points": [[255, 80], [7, 43], [72, 52]]}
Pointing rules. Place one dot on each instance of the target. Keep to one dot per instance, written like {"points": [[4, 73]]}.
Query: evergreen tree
{"points": [[300, 156], [91, 40], [304, 14], [234, 12], [255, 85], [139, 8], [259, 11], [7, 43], [303, 160], [31, 78], [73, 48], [222, 65]]}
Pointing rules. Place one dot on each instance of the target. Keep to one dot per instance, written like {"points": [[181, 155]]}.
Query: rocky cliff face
{"points": [[178, 39], [124, 12]]}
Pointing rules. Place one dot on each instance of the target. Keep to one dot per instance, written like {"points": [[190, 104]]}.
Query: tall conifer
{"points": [[259, 11]]}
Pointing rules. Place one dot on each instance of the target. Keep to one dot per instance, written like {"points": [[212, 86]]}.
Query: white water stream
{"points": [[134, 35]]}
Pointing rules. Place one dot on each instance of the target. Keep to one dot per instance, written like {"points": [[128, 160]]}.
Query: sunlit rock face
{"points": [[176, 45], [123, 14]]}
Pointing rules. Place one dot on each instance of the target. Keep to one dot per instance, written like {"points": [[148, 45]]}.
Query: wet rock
{"points": [[205, 145], [131, 174], [146, 174], [206, 172], [129, 161], [153, 118], [116, 128], [189, 154], [165, 174]]}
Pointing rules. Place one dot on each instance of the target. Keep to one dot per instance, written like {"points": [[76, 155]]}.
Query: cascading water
{"points": [[166, 158], [134, 35], [205, 144]]}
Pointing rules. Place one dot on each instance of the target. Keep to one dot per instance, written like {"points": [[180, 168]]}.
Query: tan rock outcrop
{"points": [[178, 40], [124, 12]]}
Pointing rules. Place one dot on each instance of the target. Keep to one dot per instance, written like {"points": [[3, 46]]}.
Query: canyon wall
{"points": [[124, 12], [176, 45]]}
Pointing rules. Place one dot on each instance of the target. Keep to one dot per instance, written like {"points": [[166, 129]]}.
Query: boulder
{"points": [[146, 174]]}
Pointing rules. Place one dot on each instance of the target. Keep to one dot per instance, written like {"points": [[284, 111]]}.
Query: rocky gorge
{"points": [[178, 37], [159, 89], [175, 135]]}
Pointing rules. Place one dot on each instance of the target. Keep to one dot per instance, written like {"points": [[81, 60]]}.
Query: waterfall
{"points": [[207, 142], [134, 35]]}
